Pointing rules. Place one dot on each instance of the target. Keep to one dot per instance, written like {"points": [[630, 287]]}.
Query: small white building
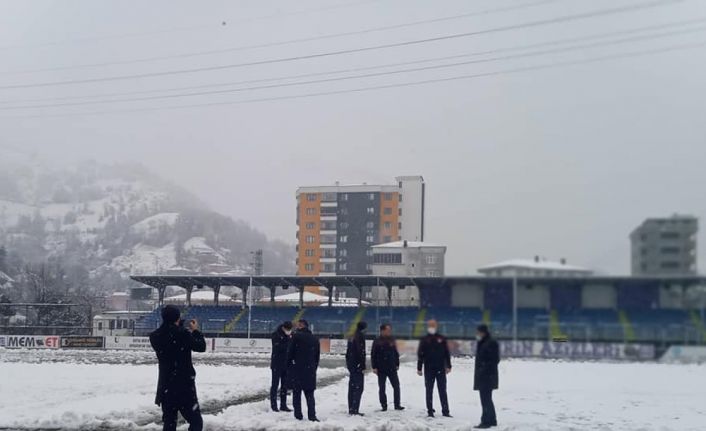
{"points": [[116, 323], [537, 267], [406, 259]]}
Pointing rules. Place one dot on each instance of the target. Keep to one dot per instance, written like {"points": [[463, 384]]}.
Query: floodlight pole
{"points": [[514, 307], [249, 301]]}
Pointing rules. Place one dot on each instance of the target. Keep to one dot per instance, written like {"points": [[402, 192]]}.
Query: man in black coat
{"points": [[176, 386], [433, 355], [303, 361], [278, 365], [385, 361], [486, 374], [355, 362]]}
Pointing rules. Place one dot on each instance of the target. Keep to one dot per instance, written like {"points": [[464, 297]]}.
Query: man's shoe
{"points": [[299, 418], [384, 408], [285, 409], [314, 420], [447, 415], [430, 414], [275, 409], [399, 407], [482, 426], [356, 414]]}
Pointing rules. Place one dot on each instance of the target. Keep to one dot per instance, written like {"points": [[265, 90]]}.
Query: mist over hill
{"points": [[109, 221]]}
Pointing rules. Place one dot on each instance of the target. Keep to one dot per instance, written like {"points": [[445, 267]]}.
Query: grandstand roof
{"points": [[159, 281]]}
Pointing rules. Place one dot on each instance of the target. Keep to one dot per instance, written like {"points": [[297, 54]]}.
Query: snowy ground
{"points": [[115, 390]]}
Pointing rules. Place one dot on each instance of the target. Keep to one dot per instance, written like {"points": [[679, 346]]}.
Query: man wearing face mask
{"points": [[486, 374], [355, 362], [434, 357], [278, 365]]}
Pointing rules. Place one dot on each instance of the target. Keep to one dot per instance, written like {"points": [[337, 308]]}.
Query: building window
{"points": [[388, 258], [370, 225], [100, 326], [328, 267], [371, 210], [310, 239], [399, 212], [342, 252], [387, 225], [370, 239], [432, 273], [387, 211], [328, 197], [344, 197], [309, 267], [310, 225], [311, 211], [669, 235], [343, 238], [368, 252], [328, 225], [371, 196], [311, 197], [328, 252], [328, 211], [669, 250], [669, 265], [309, 252], [399, 225], [388, 196], [431, 259], [344, 225], [343, 266], [328, 239], [400, 195]]}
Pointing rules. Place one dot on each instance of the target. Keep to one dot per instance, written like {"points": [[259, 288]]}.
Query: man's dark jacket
{"points": [[303, 360], [280, 345], [355, 354], [173, 346], [384, 356], [433, 353], [486, 366]]}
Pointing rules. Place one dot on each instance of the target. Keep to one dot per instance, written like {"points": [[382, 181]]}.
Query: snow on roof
{"points": [[154, 222], [533, 264], [410, 244], [119, 294], [4, 278], [315, 297], [198, 295]]}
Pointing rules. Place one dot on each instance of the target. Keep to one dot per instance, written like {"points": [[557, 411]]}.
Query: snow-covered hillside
{"points": [[117, 220]]}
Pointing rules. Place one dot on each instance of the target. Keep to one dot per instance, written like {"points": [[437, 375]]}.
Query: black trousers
{"points": [[278, 382], [185, 402], [486, 402], [356, 381], [438, 376], [310, 403], [383, 376]]}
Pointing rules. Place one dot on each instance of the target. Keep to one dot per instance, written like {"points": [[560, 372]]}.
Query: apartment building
{"points": [[338, 225]]}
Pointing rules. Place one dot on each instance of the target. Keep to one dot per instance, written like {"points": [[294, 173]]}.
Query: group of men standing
{"points": [[295, 360]]}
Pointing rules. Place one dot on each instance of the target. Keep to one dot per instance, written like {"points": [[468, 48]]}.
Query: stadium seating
{"points": [[641, 325]]}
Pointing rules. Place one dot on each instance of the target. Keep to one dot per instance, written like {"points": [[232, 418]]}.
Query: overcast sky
{"points": [[561, 161]]}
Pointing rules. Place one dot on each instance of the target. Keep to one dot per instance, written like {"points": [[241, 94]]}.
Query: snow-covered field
{"points": [[115, 390]]}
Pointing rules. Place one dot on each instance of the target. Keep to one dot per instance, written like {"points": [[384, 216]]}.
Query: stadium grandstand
{"points": [[660, 310]]}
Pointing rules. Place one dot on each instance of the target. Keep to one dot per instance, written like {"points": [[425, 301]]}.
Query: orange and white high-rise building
{"points": [[338, 225]]}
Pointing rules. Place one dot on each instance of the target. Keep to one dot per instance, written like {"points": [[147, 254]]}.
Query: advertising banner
{"points": [[80, 342], [575, 350], [686, 354], [29, 341], [127, 343], [242, 345]]}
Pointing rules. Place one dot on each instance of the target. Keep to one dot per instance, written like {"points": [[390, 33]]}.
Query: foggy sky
{"points": [[561, 162]]}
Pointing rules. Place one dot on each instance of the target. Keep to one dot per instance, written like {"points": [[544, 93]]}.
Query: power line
{"points": [[292, 41], [221, 23], [368, 75], [619, 56], [565, 18], [379, 66]]}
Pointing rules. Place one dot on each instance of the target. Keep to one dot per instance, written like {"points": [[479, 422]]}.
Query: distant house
{"points": [[537, 267], [5, 280]]}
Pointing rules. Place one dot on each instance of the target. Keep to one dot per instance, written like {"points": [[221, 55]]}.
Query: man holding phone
{"points": [[176, 386]]}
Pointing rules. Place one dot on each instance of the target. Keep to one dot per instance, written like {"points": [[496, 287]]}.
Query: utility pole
{"points": [[256, 269], [514, 307]]}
